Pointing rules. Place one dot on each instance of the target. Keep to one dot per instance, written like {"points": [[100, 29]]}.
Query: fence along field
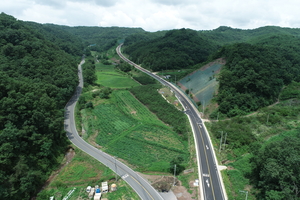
{"points": [[127, 129]]}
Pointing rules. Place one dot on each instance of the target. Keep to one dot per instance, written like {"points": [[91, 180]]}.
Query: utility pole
{"points": [[225, 141], [116, 168], [203, 106], [174, 174], [218, 117], [221, 141]]}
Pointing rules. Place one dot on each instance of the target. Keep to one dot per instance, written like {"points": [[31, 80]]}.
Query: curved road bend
{"points": [[211, 184], [141, 187]]}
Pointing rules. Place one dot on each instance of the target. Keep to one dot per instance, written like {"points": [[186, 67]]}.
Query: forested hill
{"points": [[38, 75], [227, 35], [255, 73], [102, 38], [177, 49], [143, 36]]}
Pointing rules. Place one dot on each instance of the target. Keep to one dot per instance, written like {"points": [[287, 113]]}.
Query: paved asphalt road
{"points": [[211, 185], [141, 187]]}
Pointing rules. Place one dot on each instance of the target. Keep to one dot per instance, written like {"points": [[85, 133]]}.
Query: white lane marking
{"points": [[125, 176], [206, 146], [207, 182], [206, 175]]}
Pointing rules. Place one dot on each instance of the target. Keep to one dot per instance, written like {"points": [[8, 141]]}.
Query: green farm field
{"points": [[107, 76], [127, 129]]}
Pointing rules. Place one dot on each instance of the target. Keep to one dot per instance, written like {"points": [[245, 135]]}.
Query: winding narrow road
{"points": [[141, 186], [211, 184]]}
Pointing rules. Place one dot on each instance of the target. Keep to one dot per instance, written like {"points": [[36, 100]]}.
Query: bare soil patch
{"points": [[115, 60], [164, 183]]}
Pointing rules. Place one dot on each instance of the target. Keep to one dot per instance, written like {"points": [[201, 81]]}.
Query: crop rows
{"points": [[127, 129], [160, 136], [126, 101], [142, 154], [110, 122]]}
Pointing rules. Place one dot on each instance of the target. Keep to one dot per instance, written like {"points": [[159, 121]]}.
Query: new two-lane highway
{"points": [[211, 185]]}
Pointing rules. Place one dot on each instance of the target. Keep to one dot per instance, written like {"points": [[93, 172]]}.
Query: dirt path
{"points": [[277, 102], [165, 183], [251, 114]]}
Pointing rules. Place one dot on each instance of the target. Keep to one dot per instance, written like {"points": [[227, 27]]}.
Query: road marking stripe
{"points": [[212, 187]]}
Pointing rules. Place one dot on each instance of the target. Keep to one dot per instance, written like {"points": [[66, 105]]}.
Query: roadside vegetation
{"points": [[261, 151], [82, 170]]}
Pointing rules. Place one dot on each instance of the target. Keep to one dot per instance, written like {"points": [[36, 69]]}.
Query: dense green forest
{"points": [[38, 76], [177, 49], [88, 72], [224, 35], [274, 180], [255, 73], [101, 38], [143, 36]]}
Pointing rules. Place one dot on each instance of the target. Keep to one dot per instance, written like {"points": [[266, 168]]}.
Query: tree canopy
{"points": [[101, 38], [255, 73], [37, 77], [277, 171], [177, 49]]}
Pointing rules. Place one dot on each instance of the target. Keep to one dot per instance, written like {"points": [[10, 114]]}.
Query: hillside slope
{"points": [[255, 73], [177, 49], [37, 79], [224, 35], [102, 38]]}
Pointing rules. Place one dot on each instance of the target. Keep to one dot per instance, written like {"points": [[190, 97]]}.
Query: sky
{"points": [[155, 15]]}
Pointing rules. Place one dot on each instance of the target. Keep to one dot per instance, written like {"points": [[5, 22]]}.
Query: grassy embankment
{"points": [[82, 171]]}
